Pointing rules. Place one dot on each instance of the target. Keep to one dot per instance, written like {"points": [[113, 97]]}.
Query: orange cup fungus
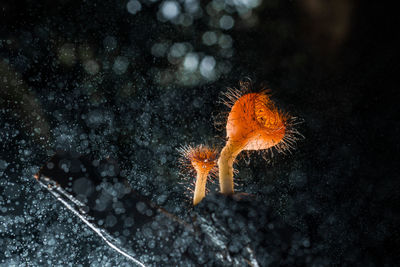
{"points": [[254, 123], [203, 161]]}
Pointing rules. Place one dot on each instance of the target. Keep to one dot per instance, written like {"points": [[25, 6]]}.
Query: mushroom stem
{"points": [[200, 187], [225, 166]]}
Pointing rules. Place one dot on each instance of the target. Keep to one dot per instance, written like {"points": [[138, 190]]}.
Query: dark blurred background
{"points": [[135, 80]]}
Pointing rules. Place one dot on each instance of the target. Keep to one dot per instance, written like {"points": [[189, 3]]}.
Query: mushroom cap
{"points": [[201, 158], [255, 123]]}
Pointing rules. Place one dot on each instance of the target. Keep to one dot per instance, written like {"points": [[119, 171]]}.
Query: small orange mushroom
{"points": [[202, 160], [254, 123]]}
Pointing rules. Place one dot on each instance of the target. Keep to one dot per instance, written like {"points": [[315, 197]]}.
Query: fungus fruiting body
{"points": [[254, 123], [202, 160]]}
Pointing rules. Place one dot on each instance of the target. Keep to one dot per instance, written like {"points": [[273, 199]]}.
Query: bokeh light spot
{"points": [[226, 22], [133, 6], [170, 9]]}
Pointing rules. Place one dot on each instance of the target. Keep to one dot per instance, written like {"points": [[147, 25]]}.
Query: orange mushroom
{"points": [[202, 160], [254, 123]]}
